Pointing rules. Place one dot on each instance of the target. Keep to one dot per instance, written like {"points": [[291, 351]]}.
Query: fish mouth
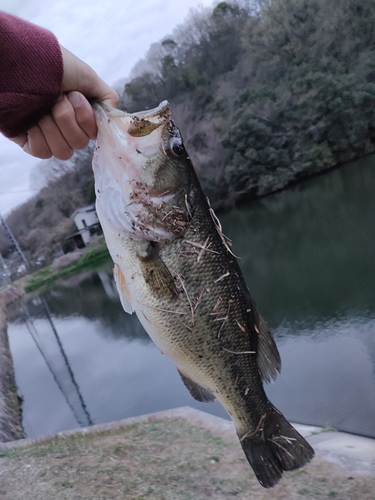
{"points": [[138, 124]]}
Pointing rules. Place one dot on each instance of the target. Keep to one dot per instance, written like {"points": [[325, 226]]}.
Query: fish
{"points": [[175, 269]]}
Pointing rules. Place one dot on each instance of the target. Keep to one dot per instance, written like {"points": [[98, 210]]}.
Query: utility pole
{"points": [[14, 241]]}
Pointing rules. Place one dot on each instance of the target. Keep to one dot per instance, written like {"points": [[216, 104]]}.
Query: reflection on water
{"points": [[328, 375], [307, 256], [309, 251], [117, 369], [52, 351]]}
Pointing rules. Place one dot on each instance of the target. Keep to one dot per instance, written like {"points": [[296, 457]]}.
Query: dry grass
{"points": [[162, 459]]}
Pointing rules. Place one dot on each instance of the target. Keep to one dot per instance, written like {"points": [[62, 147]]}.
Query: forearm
{"points": [[31, 73]]}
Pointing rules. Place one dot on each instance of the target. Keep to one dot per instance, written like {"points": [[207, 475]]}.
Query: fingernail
{"points": [[75, 99]]}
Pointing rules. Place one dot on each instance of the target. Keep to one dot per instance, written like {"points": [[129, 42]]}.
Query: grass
{"points": [[326, 428], [91, 258], [167, 459]]}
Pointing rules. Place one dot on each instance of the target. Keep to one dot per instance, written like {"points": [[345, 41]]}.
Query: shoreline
{"points": [[10, 404], [350, 451]]}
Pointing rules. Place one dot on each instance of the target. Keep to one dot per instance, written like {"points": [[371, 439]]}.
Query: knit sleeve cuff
{"points": [[31, 72]]}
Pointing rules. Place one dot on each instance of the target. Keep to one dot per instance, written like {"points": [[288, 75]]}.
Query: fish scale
{"points": [[216, 334], [174, 268]]}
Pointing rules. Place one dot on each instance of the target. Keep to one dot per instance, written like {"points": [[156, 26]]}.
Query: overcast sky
{"points": [[110, 35]]}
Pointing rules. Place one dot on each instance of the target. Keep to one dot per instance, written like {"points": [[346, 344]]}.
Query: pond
{"points": [[307, 254]]}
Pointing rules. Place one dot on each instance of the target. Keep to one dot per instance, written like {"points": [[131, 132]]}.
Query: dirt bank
{"points": [[10, 408]]}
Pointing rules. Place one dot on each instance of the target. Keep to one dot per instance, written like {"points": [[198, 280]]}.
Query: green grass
{"points": [[90, 259]]}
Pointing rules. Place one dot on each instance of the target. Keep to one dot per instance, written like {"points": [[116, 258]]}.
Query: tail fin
{"points": [[275, 446]]}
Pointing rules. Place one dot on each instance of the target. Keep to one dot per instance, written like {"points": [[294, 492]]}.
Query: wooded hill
{"points": [[265, 92]]}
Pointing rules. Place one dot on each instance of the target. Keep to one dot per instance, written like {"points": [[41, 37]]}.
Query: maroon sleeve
{"points": [[31, 71]]}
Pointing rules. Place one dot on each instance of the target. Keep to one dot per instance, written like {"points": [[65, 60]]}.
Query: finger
{"points": [[54, 138], [20, 140], [84, 114], [36, 144], [65, 118]]}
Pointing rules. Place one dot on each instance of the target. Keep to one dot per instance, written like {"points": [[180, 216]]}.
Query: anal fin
{"points": [[198, 393], [268, 357]]}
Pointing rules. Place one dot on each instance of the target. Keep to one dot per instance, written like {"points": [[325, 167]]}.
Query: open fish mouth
{"points": [[135, 124], [132, 151]]}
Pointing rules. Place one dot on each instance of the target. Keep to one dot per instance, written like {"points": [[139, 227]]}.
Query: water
{"points": [[307, 254]]}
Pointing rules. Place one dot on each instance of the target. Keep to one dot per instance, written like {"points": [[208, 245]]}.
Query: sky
{"points": [[110, 35]]}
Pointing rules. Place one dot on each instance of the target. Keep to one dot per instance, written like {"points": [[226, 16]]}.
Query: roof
{"points": [[88, 208]]}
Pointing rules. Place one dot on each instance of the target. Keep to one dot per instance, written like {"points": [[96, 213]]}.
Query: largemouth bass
{"points": [[174, 268]]}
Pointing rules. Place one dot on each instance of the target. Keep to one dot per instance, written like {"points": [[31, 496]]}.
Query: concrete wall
{"points": [[10, 408]]}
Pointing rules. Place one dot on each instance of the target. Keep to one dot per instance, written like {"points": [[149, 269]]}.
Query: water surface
{"points": [[307, 254]]}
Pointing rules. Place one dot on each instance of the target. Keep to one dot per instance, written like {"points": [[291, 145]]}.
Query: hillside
{"points": [[42, 224], [266, 92]]}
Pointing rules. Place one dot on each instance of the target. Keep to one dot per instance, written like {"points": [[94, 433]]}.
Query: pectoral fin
{"points": [[156, 274], [196, 390], [123, 290]]}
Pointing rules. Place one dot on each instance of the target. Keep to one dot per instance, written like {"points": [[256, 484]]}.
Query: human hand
{"points": [[71, 123]]}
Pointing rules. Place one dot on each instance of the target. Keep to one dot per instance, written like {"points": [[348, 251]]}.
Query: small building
{"points": [[85, 218]]}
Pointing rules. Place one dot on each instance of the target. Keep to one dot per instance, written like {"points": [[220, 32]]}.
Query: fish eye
{"points": [[177, 146]]}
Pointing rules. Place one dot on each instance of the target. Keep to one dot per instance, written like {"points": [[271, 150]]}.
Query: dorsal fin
{"points": [[268, 357], [198, 393]]}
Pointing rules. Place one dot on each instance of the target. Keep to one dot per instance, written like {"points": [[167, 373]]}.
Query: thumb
{"points": [[81, 77]]}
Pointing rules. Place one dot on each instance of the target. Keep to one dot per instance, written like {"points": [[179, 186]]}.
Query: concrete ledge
{"points": [[353, 453]]}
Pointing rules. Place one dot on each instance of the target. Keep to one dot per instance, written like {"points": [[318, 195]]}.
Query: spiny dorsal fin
{"points": [[268, 357], [196, 390], [123, 290]]}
